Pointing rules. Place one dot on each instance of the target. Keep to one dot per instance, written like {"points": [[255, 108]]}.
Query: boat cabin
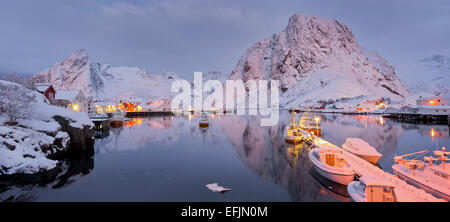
{"points": [[332, 158], [378, 190]]}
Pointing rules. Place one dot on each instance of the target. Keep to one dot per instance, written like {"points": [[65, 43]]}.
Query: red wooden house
{"points": [[47, 90]]}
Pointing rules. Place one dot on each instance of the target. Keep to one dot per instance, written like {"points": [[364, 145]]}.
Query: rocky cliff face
{"points": [[319, 59], [106, 83]]}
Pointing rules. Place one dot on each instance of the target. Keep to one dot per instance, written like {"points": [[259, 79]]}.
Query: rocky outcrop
{"points": [[80, 138]]}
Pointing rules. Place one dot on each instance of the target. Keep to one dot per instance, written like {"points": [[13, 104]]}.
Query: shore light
{"points": [[75, 107]]}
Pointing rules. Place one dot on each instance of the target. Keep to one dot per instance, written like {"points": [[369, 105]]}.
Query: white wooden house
{"points": [[71, 99]]}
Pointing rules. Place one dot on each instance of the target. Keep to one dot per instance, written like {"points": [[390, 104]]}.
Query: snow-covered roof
{"points": [[42, 87], [431, 107], [66, 94]]}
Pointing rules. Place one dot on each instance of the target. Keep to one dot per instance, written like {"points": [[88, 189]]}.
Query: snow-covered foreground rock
{"points": [[105, 83], [31, 146], [319, 60]]}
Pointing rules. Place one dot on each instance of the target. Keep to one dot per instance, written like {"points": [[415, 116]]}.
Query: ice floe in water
{"points": [[214, 187]]}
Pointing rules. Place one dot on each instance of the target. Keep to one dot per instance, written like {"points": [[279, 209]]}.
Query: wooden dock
{"points": [[148, 113], [420, 118], [364, 168]]}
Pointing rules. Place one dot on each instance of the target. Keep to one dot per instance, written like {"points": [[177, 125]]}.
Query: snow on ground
{"points": [[20, 151], [25, 148]]}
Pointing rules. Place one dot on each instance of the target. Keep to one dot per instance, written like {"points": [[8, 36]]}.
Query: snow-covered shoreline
{"points": [[34, 144]]}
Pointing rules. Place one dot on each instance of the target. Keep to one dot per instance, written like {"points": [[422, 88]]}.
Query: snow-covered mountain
{"points": [[430, 75], [106, 83], [319, 59]]}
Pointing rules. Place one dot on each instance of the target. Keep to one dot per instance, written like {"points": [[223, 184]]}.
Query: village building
{"points": [[46, 89], [440, 100], [71, 99]]}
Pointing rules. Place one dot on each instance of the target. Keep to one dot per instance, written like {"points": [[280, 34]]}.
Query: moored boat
{"points": [[331, 164], [204, 122], [369, 189], [311, 125], [292, 133], [117, 120], [433, 178], [362, 149]]}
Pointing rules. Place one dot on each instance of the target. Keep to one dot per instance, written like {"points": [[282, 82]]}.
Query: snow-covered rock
{"points": [[105, 83], [28, 146], [319, 59]]}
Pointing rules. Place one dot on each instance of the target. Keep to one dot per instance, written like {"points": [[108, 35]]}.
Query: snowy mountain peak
{"points": [[437, 61], [105, 83], [78, 55], [319, 59], [427, 76]]}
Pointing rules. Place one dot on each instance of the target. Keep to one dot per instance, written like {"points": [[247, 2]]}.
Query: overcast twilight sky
{"points": [[202, 35]]}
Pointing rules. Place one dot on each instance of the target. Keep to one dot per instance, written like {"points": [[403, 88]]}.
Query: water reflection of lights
{"points": [[380, 120], [133, 122], [432, 132]]}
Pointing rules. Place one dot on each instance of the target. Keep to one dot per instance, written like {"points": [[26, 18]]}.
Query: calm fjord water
{"points": [[172, 159]]}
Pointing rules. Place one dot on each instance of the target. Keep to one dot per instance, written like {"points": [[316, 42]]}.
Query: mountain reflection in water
{"points": [[172, 159]]}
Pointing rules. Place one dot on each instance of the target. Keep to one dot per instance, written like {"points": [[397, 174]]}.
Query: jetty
{"points": [[148, 113], [364, 168]]}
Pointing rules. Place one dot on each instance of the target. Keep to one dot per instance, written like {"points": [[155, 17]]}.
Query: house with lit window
{"points": [[46, 89], [440, 100], [71, 99]]}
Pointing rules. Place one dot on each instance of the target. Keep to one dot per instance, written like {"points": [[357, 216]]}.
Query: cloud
{"points": [[184, 36]]}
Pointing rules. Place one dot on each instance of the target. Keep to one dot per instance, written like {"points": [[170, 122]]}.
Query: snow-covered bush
{"points": [[15, 101]]}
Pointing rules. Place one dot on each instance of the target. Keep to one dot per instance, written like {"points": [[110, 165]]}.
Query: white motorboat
{"points": [[369, 189], [433, 178], [292, 132], [331, 164], [117, 120], [362, 149], [204, 121]]}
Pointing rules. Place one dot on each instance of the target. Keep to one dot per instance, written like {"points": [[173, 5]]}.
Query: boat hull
{"points": [[204, 124], [293, 139], [116, 123], [343, 179], [418, 184], [317, 132]]}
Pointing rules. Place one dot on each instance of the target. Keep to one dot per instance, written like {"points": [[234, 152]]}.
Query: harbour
{"points": [[172, 158]]}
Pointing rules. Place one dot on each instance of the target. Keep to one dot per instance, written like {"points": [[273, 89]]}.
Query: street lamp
{"points": [[317, 119]]}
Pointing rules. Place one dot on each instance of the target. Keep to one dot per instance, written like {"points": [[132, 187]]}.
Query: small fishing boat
{"points": [[362, 149], [204, 121], [330, 163], [369, 189], [311, 125], [117, 120], [292, 132], [433, 178]]}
